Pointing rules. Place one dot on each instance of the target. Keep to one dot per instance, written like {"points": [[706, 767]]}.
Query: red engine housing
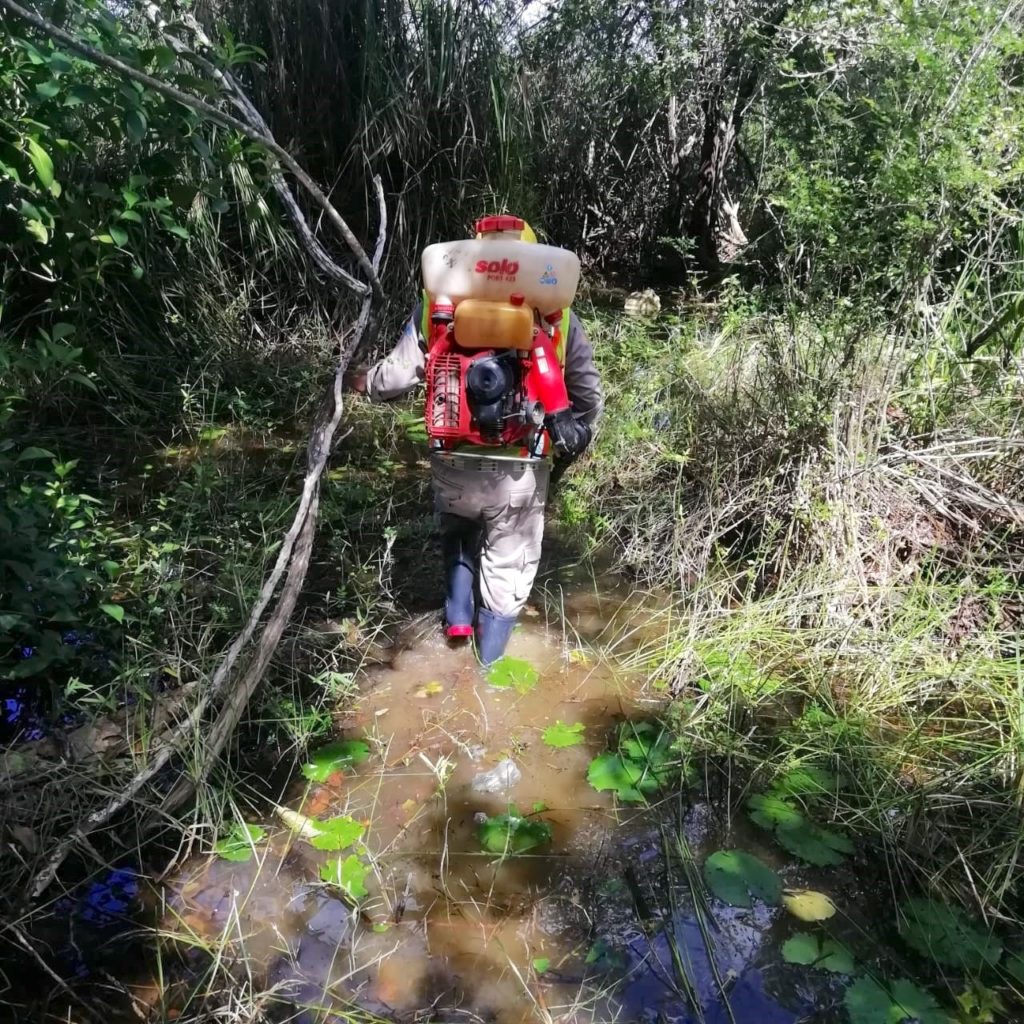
{"points": [[448, 413]]}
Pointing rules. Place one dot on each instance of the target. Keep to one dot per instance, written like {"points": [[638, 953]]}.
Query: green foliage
{"points": [[795, 832], [349, 875], [944, 934], [646, 758], [809, 950], [238, 844], [562, 735], [56, 571], [735, 876], [335, 757], [511, 833], [336, 833], [869, 1002], [513, 673], [98, 176]]}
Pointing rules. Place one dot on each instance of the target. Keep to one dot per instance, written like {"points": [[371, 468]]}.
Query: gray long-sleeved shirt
{"points": [[404, 367]]}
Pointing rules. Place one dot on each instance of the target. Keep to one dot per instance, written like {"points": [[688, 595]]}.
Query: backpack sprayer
{"points": [[495, 313]]}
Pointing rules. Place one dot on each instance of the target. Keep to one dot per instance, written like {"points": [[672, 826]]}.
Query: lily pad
{"points": [[795, 832], [513, 673], [945, 934], [869, 1002], [828, 955], [808, 905], [511, 833], [335, 757], [772, 812], [562, 735], [627, 779], [644, 761], [336, 833], [735, 876], [238, 844], [348, 875]]}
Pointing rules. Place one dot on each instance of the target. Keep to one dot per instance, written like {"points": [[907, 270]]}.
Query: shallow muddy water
{"points": [[597, 925]]}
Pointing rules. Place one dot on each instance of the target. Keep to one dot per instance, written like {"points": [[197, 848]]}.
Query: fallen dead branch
{"points": [[222, 694]]}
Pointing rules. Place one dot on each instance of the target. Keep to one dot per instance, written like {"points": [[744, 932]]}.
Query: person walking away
{"points": [[489, 498]]}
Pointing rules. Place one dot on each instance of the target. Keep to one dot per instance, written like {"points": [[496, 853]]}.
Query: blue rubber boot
{"points": [[459, 548], [492, 635]]}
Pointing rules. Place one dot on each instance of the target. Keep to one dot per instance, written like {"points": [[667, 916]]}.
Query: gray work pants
{"points": [[501, 500]]}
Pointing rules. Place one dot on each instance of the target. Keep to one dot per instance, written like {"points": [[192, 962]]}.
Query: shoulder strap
{"points": [[563, 334], [425, 321]]}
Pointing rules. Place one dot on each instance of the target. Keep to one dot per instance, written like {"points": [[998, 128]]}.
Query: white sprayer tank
{"points": [[496, 267]]}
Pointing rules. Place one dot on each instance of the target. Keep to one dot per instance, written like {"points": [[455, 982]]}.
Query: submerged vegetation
{"points": [[811, 454]]}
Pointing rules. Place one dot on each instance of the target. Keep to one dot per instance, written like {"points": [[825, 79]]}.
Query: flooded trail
{"points": [[596, 925]]}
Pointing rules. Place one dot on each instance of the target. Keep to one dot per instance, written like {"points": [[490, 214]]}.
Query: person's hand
{"points": [[355, 380], [569, 435]]}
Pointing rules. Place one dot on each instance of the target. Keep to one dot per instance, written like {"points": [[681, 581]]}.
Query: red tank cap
{"points": [[502, 222], [516, 299]]}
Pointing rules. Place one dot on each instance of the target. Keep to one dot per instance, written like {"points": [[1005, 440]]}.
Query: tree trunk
{"points": [[713, 221], [714, 217]]}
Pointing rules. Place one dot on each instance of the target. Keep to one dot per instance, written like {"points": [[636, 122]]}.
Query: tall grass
{"points": [[849, 589]]}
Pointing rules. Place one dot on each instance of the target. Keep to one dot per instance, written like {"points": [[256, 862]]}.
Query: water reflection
{"points": [[449, 932]]}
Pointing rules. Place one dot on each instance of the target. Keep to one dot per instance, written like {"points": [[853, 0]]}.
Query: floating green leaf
{"points": [[771, 812], [541, 964], [336, 833], [868, 1002], [335, 757], [513, 673], [792, 830], [237, 845], [734, 876], [349, 875], [511, 833], [815, 844], [808, 905], [562, 735], [645, 759], [944, 933], [628, 780], [804, 948]]}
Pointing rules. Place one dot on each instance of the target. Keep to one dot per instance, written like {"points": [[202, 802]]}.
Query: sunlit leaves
{"points": [[562, 735], [336, 833], [41, 162], [513, 673], [349, 875]]}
